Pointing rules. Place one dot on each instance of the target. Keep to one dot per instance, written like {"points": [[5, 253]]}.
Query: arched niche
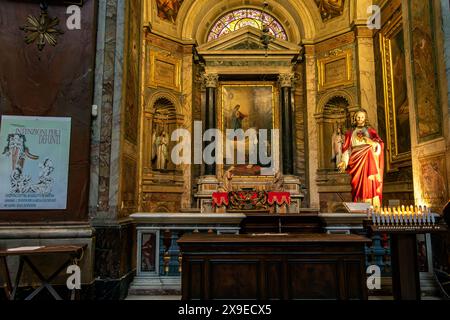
{"points": [[161, 119], [333, 120], [295, 17]]}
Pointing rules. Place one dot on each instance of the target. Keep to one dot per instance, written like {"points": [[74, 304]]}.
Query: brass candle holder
{"points": [[404, 218]]}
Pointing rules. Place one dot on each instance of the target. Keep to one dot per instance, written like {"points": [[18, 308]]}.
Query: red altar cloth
{"points": [[222, 198], [279, 198], [219, 199]]}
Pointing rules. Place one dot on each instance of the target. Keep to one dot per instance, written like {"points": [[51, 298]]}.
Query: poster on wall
{"points": [[34, 162]]}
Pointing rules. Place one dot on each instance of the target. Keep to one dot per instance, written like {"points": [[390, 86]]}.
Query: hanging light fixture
{"points": [[42, 29], [266, 37]]}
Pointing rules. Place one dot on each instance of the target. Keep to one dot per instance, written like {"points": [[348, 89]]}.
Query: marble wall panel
{"points": [[58, 82]]}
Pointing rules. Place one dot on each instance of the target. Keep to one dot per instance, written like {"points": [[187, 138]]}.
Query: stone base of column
{"points": [[334, 189], [293, 185], [206, 186]]}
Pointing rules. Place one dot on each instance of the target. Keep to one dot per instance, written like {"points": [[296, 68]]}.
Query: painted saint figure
{"points": [[330, 8], [168, 9], [363, 159], [237, 117]]}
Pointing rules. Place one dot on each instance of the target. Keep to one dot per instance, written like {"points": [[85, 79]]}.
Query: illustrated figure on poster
{"points": [[45, 182], [337, 141], [363, 159], [160, 150], [17, 149], [19, 183]]}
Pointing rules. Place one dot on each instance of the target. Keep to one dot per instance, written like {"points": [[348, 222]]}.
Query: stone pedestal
{"points": [[334, 189], [293, 185], [206, 186]]}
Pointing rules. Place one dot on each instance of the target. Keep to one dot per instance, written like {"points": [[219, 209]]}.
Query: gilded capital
{"points": [[211, 80], [286, 79]]}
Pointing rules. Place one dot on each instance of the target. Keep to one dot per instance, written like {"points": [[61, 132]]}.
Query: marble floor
{"points": [[145, 297]]}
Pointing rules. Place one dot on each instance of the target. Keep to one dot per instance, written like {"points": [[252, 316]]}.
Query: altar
{"points": [[273, 266]]}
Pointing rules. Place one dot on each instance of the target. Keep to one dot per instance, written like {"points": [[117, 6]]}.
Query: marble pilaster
{"points": [[312, 132], [366, 73], [108, 98], [117, 109], [97, 121], [300, 126], [187, 81]]}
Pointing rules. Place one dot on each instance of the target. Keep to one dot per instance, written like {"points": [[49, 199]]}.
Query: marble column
{"points": [[287, 115], [211, 83]]}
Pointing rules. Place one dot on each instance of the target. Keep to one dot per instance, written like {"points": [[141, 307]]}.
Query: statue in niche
{"points": [[160, 148], [363, 159], [337, 141]]}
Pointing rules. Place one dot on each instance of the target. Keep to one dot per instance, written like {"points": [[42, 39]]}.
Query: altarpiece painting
{"points": [[247, 106]]}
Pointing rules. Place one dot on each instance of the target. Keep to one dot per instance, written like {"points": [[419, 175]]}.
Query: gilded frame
{"points": [[395, 158], [221, 116], [155, 81], [334, 56]]}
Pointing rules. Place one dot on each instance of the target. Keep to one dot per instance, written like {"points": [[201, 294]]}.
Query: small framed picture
{"points": [[148, 246]]}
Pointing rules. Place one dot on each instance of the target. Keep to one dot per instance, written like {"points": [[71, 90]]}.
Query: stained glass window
{"points": [[237, 19]]}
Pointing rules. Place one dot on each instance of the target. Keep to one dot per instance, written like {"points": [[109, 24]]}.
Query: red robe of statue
{"points": [[365, 165]]}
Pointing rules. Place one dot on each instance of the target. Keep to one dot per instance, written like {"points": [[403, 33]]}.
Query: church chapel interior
{"points": [[227, 149]]}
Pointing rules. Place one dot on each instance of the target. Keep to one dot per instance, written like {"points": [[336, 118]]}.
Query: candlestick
{"points": [[433, 221], [420, 216], [391, 218], [400, 215], [410, 215], [414, 210]]}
